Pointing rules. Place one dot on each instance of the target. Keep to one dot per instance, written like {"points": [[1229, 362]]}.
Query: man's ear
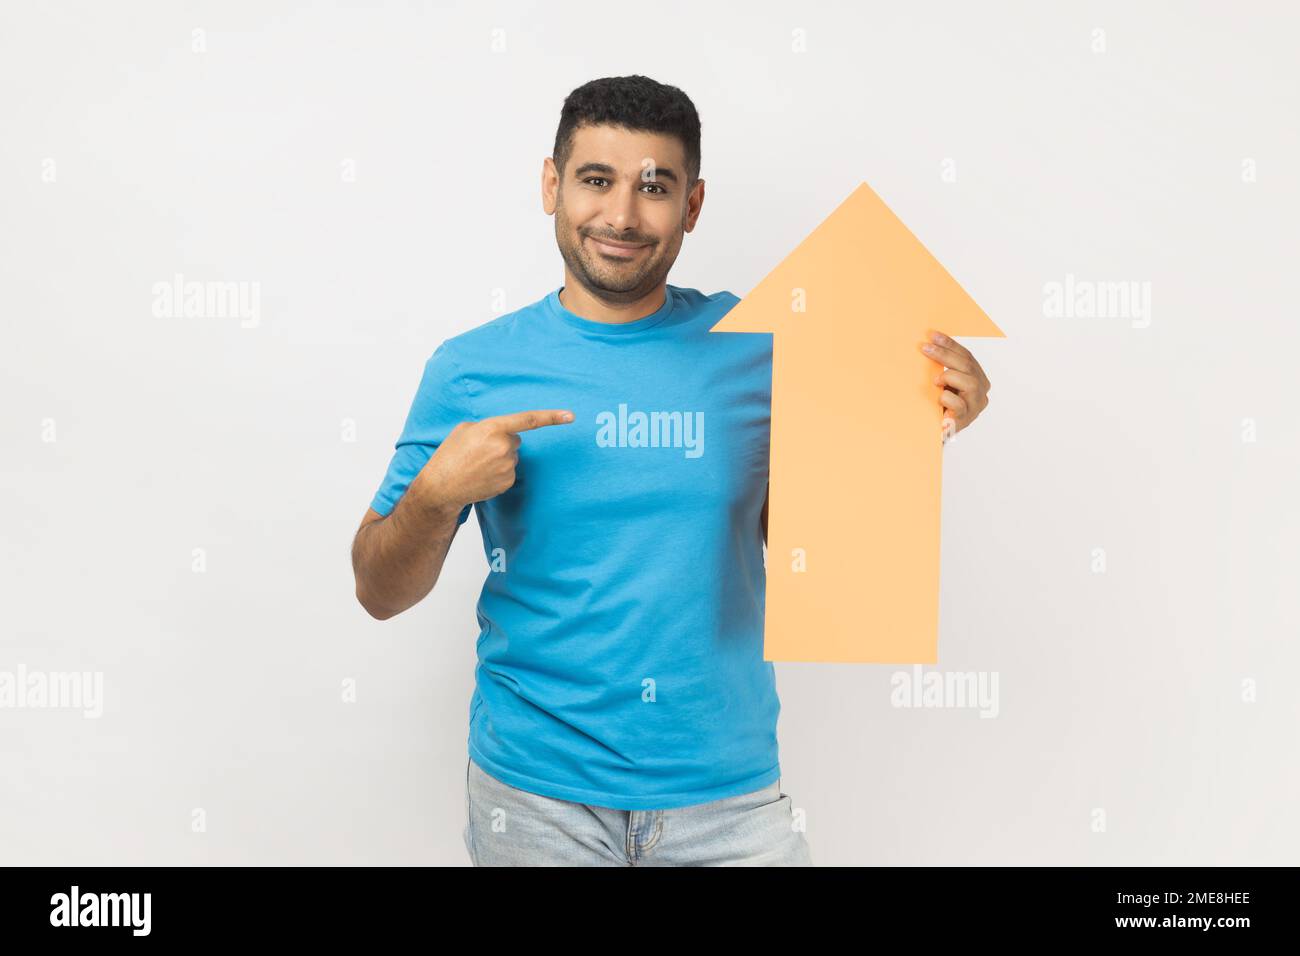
{"points": [[550, 185], [694, 203]]}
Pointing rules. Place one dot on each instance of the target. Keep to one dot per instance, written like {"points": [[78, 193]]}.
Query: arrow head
{"points": [[860, 270]]}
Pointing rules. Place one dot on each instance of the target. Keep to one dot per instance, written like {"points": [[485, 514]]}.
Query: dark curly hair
{"points": [[635, 103]]}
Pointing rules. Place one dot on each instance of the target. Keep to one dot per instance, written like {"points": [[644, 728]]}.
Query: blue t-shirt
{"points": [[620, 650]]}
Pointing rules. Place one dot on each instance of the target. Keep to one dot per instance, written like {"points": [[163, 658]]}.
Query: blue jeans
{"points": [[512, 827]]}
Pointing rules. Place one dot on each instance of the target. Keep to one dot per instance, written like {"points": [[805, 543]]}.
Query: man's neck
{"points": [[583, 304]]}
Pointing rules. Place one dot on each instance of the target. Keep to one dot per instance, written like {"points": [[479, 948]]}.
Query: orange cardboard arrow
{"points": [[856, 441]]}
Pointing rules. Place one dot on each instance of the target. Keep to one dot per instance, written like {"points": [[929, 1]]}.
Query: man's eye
{"points": [[601, 179]]}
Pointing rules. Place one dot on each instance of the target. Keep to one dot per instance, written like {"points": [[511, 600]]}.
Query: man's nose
{"points": [[621, 208]]}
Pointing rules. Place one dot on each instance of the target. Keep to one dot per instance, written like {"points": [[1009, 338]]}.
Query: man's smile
{"points": [[615, 249]]}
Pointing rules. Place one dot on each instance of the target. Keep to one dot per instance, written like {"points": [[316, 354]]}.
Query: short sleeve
{"points": [[441, 403]]}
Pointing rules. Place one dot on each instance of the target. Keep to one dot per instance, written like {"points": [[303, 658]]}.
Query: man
{"points": [[617, 454]]}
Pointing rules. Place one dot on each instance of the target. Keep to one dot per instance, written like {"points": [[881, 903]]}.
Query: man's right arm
{"points": [[397, 559]]}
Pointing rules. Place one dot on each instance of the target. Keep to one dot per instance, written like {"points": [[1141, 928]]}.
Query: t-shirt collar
{"points": [[558, 310]]}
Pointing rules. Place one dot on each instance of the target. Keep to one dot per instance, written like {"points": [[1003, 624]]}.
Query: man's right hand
{"points": [[478, 459]]}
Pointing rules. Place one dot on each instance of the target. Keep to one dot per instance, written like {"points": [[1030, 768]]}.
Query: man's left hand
{"points": [[966, 387]]}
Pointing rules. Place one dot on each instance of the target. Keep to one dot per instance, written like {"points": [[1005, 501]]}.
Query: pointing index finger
{"points": [[537, 418]]}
